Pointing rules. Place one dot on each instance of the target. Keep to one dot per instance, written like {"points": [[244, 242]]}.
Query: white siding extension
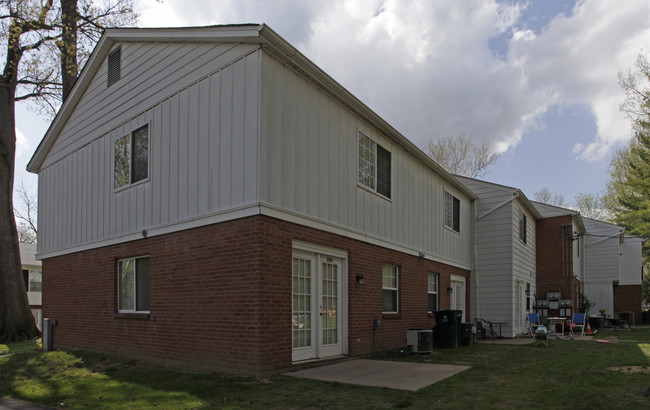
{"points": [[501, 257], [309, 157], [201, 104]]}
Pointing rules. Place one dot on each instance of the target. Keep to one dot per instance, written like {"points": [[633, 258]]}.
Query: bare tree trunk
{"points": [[68, 45], [16, 320]]}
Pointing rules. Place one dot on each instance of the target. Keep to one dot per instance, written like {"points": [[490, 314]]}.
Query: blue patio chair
{"points": [[533, 323], [579, 320]]}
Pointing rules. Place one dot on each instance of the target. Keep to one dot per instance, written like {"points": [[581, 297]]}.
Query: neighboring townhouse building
{"points": [[560, 251], [613, 269], [210, 198], [504, 273], [33, 278]]}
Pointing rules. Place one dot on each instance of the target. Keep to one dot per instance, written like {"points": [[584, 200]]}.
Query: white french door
{"points": [[317, 306]]}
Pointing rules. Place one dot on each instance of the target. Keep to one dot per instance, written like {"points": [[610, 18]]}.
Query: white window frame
{"points": [[433, 289], [135, 287], [449, 211], [370, 161], [32, 274], [130, 135], [395, 289]]}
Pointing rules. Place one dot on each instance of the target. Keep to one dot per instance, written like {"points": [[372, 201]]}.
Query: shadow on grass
{"points": [[567, 374]]}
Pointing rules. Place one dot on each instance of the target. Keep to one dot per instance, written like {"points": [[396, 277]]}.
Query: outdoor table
{"points": [[556, 321], [499, 323]]}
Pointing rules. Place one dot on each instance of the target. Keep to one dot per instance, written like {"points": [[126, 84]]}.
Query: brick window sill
{"points": [[390, 316], [137, 316]]}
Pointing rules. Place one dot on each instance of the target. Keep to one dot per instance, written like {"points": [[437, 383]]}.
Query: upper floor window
{"points": [[114, 70], [522, 227], [133, 284], [452, 212], [432, 292], [132, 157], [33, 280], [374, 166], [389, 285]]}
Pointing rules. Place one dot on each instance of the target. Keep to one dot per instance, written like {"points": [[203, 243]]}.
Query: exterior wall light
{"points": [[361, 280]]}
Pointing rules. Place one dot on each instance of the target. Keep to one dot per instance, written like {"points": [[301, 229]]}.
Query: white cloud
{"points": [[427, 68], [22, 145]]}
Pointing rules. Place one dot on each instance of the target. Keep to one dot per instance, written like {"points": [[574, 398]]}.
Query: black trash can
{"points": [[645, 316], [466, 333], [447, 330]]}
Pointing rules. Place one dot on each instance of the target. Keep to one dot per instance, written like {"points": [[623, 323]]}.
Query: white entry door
{"points": [[317, 306], [458, 294], [520, 309]]}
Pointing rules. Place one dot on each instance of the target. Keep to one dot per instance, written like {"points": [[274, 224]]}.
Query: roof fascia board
{"points": [[94, 61]]}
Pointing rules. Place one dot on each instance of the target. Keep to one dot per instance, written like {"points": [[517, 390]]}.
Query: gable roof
{"points": [[515, 192], [259, 34], [28, 255], [550, 211]]}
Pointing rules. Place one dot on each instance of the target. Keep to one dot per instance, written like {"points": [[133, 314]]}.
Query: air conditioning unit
{"points": [[553, 295], [420, 340]]}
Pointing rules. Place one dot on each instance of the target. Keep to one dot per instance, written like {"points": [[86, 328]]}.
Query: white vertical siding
{"points": [[502, 258], [203, 146], [631, 262], [309, 167]]}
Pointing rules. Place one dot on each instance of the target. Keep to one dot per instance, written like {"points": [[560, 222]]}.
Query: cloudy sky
{"points": [[536, 79]]}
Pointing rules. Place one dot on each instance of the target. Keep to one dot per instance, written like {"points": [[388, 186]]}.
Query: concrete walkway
{"points": [[524, 340], [11, 404], [381, 373]]}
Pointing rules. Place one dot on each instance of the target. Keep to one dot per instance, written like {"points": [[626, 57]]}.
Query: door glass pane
{"points": [[329, 314], [301, 302]]}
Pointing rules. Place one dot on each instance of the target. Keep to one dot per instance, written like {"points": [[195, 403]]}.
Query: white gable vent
{"points": [[114, 67]]}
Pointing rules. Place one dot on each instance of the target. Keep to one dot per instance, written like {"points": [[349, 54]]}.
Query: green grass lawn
{"points": [[566, 374]]}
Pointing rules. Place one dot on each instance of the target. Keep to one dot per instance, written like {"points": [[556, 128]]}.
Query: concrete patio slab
{"points": [[381, 373]]}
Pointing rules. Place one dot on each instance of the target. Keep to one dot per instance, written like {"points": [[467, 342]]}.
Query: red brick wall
{"points": [[627, 298], [220, 296], [550, 267]]}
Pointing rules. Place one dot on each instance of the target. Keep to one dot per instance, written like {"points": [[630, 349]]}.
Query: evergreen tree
{"points": [[628, 188]]}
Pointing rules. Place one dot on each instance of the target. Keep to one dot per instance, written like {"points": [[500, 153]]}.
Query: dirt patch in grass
{"points": [[631, 369]]}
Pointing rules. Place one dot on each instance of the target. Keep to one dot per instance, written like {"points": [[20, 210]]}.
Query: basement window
{"points": [[390, 288], [133, 285]]}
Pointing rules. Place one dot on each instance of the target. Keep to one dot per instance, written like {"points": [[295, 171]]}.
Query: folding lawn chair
{"points": [[579, 320], [484, 328], [541, 335], [533, 323]]}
